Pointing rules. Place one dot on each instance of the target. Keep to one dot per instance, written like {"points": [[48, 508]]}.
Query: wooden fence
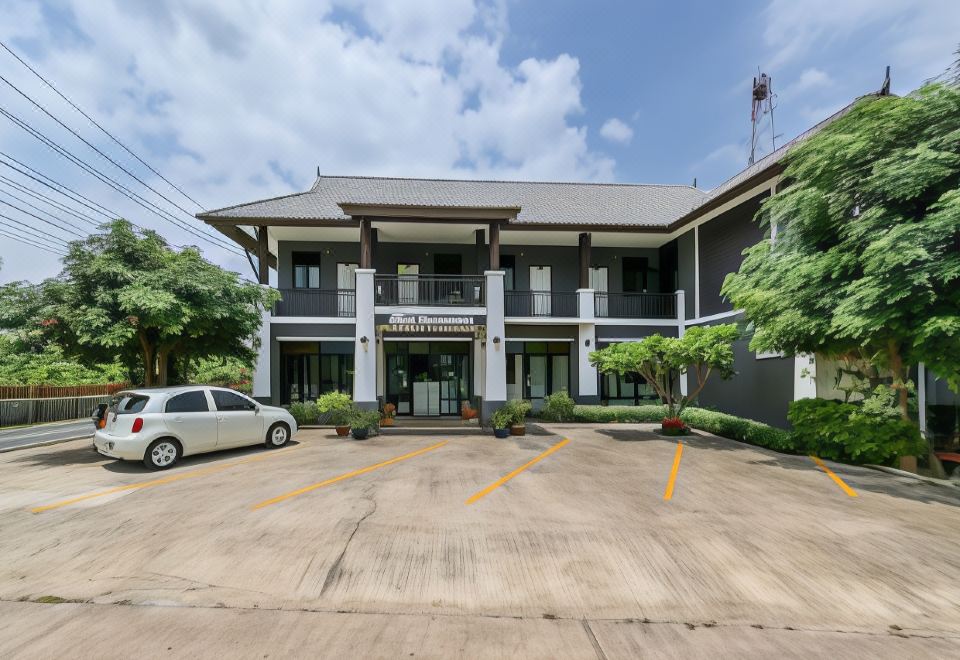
{"points": [[56, 392]]}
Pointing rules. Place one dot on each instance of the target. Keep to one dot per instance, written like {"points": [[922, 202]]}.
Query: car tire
{"points": [[162, 454], [278, 436]]}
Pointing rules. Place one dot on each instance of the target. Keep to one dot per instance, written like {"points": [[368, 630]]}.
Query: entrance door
{"points": [[428, 378], [536, 376], [540, 279], [409, 274], [598, 282], [346, 282]]}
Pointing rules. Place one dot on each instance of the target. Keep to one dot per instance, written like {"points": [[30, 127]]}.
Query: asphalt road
{"points": [[615, 544], [45, 434]]}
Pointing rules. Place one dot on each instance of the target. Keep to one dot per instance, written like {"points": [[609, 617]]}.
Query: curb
{"points": [[32, 445], [919, 477]]}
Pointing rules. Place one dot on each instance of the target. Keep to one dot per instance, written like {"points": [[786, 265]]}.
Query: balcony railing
{"points": [[429, 290], [635, 305], [540, 303], [317, 302]]}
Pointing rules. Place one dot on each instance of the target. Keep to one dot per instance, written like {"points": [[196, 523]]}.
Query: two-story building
{"points": [[428, 293]]}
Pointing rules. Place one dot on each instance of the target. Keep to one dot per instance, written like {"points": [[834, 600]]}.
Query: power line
{"points": [[56, 187], [20, 239], [37, 208], [20, 226], [80, 215], [119, 187], [34, 215], [95, 123]]}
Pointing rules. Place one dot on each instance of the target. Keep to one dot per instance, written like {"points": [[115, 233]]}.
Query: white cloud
{"points": [[616, 131], [235, 100]]}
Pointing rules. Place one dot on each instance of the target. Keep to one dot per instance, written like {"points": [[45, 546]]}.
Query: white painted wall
{"points": [[495, 371], [682, 328], [261, 370], [587, 382], [804, 377], [365, 360]]}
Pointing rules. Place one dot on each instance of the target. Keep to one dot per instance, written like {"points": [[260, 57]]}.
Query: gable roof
{"points": [[540, 203]]}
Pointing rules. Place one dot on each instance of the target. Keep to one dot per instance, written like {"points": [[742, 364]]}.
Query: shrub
{"points": [[846, 432], [365, 419], [627, 414], [501, 418], [337, 406], [558, 407], [305, 412], [518, 409]]}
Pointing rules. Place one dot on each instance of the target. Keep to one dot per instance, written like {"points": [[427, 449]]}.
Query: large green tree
{"points": [[125, 295], [865, 264]]}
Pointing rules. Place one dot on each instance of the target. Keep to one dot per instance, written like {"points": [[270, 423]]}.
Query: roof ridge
{"points": [[554, 183]]}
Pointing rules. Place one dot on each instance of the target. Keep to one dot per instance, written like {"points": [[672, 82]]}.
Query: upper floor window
{"points": [[508, 264], [306, 270]]}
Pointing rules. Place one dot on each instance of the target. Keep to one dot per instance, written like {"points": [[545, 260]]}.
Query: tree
{"points": [[125, 295], [660, 360], [865, 266]]}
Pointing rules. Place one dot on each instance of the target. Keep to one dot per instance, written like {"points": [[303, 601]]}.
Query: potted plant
{"points": [[338, 407], [362, 422], [673, 426], [389, 412], [519, 409], [500, 421]]}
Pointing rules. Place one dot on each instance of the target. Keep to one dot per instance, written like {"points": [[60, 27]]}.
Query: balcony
{"points": [[540, 304], [635, 305], [317, 302], [429, 290]]}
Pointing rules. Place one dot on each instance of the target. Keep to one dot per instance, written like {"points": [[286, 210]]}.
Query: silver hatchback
{"points": [[160, 425]]}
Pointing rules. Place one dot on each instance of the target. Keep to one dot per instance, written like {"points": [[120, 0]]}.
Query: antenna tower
{"points": [[761, 110]]}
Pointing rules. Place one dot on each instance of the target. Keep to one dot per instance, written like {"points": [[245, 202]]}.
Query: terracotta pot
{"points": [[343, 431], [386, 421], [518, 429]]}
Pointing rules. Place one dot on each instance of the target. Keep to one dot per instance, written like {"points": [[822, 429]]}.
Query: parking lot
{"points": [[574, 541]]}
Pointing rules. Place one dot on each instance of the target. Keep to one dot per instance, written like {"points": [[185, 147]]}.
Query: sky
{"points": [[238, 100]]}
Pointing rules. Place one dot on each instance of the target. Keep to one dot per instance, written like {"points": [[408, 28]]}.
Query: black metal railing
{"points": [[540, 303], [429, 290], [317, 302], [635, 305]]}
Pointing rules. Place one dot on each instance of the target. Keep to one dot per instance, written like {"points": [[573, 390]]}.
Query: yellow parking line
{"points": [[668, 493], [202, 472], [846, 489], [499, 482], [355, 473]]}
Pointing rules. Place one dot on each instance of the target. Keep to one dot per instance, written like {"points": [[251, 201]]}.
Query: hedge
{"points": [[728, 426]]}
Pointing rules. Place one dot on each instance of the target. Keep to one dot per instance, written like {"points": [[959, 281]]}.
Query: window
{"points": [[228, 401], [130, 404], [188, 402], [508, 264], [306, 270]]}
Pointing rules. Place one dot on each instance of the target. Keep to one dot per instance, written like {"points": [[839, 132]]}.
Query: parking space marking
{"points": [[499, 482], [354, 473], [846, 489], [668, 493], [201, 472]]}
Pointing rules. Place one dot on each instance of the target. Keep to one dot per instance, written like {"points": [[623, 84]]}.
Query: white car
{"points": [[159, 425]]}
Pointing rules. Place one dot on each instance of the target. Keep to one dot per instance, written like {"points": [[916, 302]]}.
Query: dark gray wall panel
{"points": [[310, 330], [633, 331], [685, 270]]}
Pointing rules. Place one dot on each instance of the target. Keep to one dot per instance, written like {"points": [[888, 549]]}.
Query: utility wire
{"points": [[80, 215], [95, 123], [20, 226], [119, 187], [58, 187], [20, 239], [34, 215], [46, 213]]}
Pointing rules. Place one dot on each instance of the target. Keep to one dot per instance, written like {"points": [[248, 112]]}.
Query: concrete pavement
{"points": [[577, 555]]}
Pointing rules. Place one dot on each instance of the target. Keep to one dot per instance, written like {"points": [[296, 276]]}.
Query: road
{"points": [[45, 434], [616, 544]]}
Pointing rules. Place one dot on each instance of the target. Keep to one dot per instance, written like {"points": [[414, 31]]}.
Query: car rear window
{"points": [[188, 402], [130, 404]]}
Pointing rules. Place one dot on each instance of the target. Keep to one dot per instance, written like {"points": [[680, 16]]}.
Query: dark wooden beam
{"points": [[244, 240], [263, 255], [374, 244], [585, 260], [494, 246], [366, 244]]}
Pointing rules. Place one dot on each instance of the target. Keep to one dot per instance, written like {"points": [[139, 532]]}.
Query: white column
{"points": [[477, 367], [586, 342], [681, 329], [261, 370], [365, 352], [495, 371], [922, 396], [804, 377], [696, 272]]}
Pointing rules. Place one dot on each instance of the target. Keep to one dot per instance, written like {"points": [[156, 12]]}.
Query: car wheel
{"points": [[162, 454], [278, 435]]}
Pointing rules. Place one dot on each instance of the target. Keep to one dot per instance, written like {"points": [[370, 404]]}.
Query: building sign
{"points": [[433, 325]]}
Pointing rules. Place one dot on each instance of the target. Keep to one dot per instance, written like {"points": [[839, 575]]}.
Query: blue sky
{"points": [[237, 100]]}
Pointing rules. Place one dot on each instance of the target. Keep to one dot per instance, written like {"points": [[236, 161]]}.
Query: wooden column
{"points": [[263, 256], [584, 261], [494, 246], [366, 244]]}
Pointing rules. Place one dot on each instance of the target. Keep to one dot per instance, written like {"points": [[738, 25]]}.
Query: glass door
{"points": [[408, 276], [536, 376], [346, 281], [598, 282], [540, 280]]}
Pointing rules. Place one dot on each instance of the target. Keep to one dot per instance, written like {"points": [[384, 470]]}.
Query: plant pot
{"points": [[501, 433], [360, 434], [343, 431], [386, 421], [518, 429]]}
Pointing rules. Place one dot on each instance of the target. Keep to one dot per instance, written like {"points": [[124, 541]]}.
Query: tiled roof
{"points": [[640, 205]]}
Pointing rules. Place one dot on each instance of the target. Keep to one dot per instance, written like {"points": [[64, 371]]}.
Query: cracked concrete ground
{"points": [[756, 554]]}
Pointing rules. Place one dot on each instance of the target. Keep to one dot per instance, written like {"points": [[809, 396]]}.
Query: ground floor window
{"points": [[630, 389], [312, 368], [536, 369], [427, 378]]}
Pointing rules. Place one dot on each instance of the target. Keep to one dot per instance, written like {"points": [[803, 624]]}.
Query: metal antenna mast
{"points": [[761, 108]]}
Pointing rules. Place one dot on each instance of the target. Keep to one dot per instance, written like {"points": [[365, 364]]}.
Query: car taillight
{"points": [[137, 425], [102, 424]]}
